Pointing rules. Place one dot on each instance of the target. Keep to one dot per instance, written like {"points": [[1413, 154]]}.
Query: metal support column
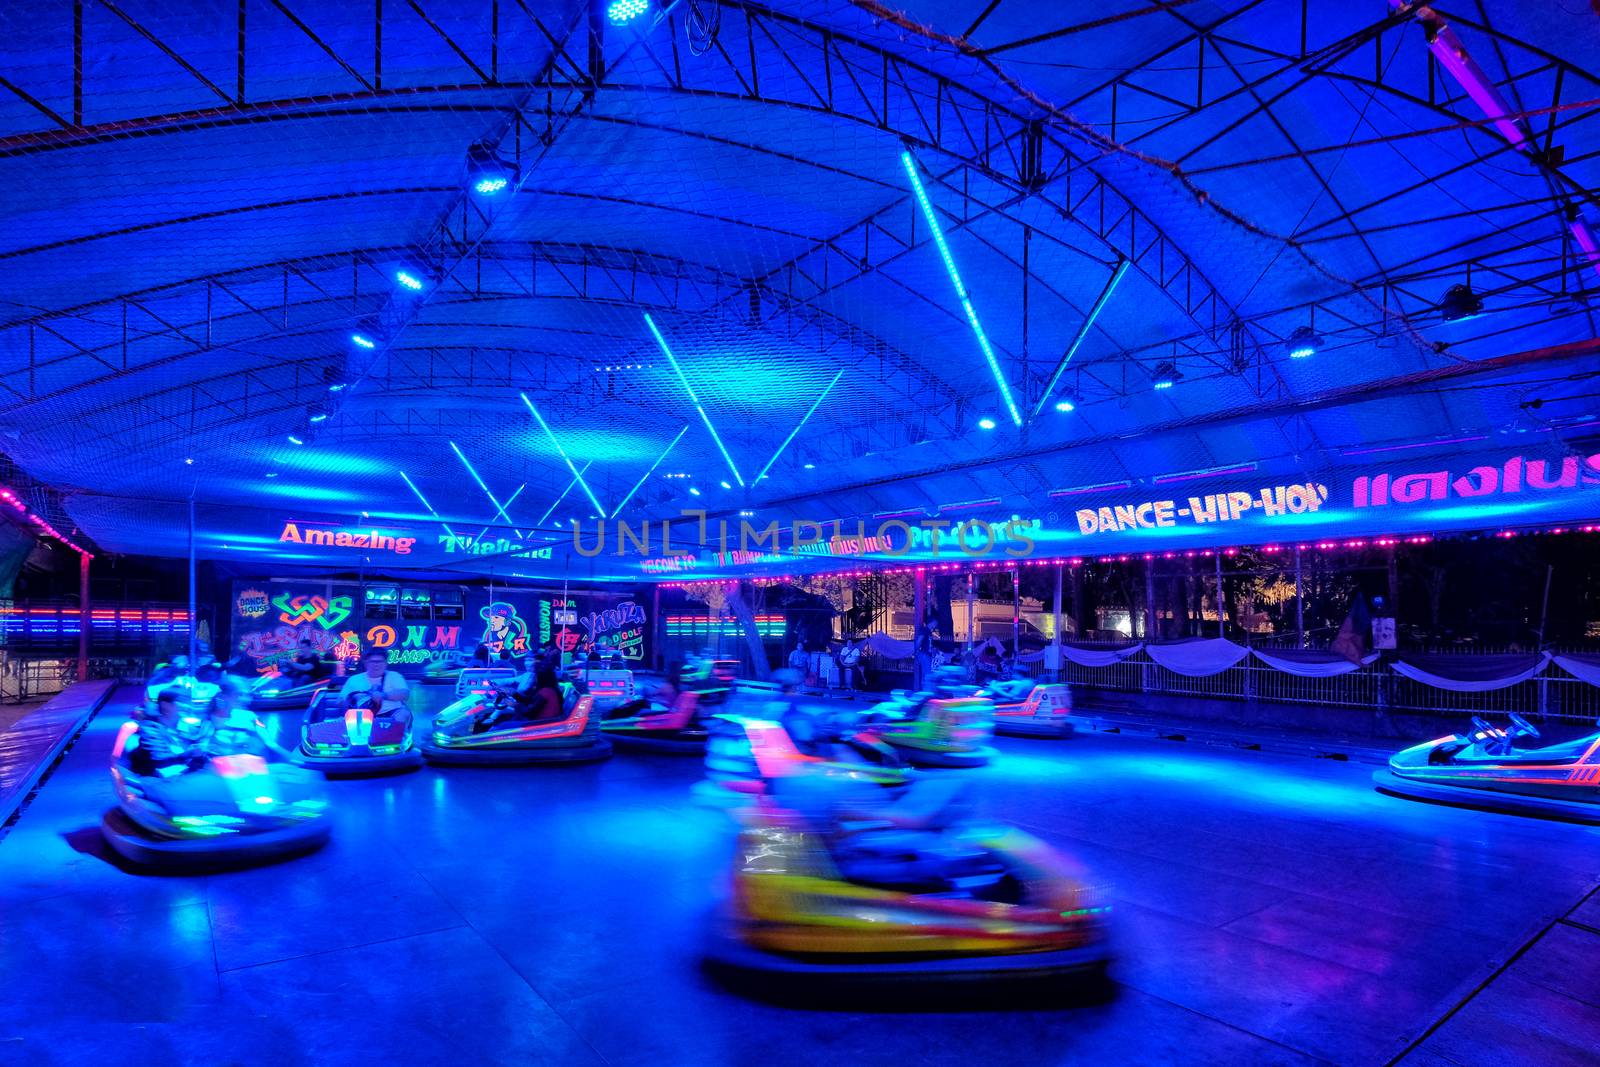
{"points": [[1299, 604], [659, 626], [1056, 622], [919, 612], [194, 650], [1016, 611], [1150, 600], [1222, 607], [972, 624], [83, 616]]}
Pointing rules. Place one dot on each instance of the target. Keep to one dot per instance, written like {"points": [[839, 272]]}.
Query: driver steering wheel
{"points": [[1523, 727], [363, 698]]}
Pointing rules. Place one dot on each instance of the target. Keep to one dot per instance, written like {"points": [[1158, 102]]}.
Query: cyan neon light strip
{"points": [[499, 508], [1083, 331], [961, 290], [419, 496], [666, 351], [568, 459], [807, 418], [618, 509], [551, 509]]}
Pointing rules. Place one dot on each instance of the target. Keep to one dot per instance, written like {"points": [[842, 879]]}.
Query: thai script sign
{"points": [[1518, 474]]}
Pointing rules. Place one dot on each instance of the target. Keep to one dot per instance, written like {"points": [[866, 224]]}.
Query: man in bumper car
{"points": [[366, 729], [785, 736], [836, 886], [946, 726], [191, 796], [378, 685]]}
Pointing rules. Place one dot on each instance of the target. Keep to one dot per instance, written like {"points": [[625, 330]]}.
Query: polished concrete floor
{"points": [[1272, 910]]}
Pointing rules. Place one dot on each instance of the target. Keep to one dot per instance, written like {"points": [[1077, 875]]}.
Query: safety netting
{"points": [[501, 267]]}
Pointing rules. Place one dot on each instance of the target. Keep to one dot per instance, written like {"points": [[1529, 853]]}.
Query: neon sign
{"points": [[326, 613], [621, 628], [1272, 502], [370, 539], [1513, 476], [478, 546]]}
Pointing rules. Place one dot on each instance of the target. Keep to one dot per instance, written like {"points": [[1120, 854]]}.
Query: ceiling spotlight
{"points": [[369, 334], [1165, 375], [296, 440], [1067, 402], [190, 462], [622, 12], [413, 279], [694, 491], [487, 173], [726, 484], [810, 466], [316, 413], [270, 474], [1460, 302], [333, 379], [985, 423], [1303, 342]]}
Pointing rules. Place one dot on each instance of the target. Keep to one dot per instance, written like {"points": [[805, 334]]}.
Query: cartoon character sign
{"points": [[503, 628]]}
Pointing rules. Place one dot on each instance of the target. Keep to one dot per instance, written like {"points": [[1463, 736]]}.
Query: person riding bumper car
{"points": [[671, 719], [827, 889], [293, 687], [279, 692], [1501, 770], [535, 719], [182, 807], [747, 750], [362, 741], [1025, 708], [949, 726]]}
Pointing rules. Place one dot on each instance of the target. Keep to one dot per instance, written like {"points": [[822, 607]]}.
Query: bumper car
{"points": [[677, 730], [199, 684], [746, 752], [361, 741], [1025, 708], [481, 730], [826, 890], [611, 687], [947, 727], [279, 692], [1502, 770], [446, 670], [222, 811]]}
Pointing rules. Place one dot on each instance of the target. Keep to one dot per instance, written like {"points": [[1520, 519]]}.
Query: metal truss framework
{"points": [[1389, 57], [509, 272], [769, 57]]}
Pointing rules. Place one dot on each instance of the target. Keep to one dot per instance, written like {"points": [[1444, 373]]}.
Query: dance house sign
{"points": [[1460, 493]]}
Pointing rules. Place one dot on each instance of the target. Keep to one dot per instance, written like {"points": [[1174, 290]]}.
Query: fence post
{"points": [[1544, 697]]}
